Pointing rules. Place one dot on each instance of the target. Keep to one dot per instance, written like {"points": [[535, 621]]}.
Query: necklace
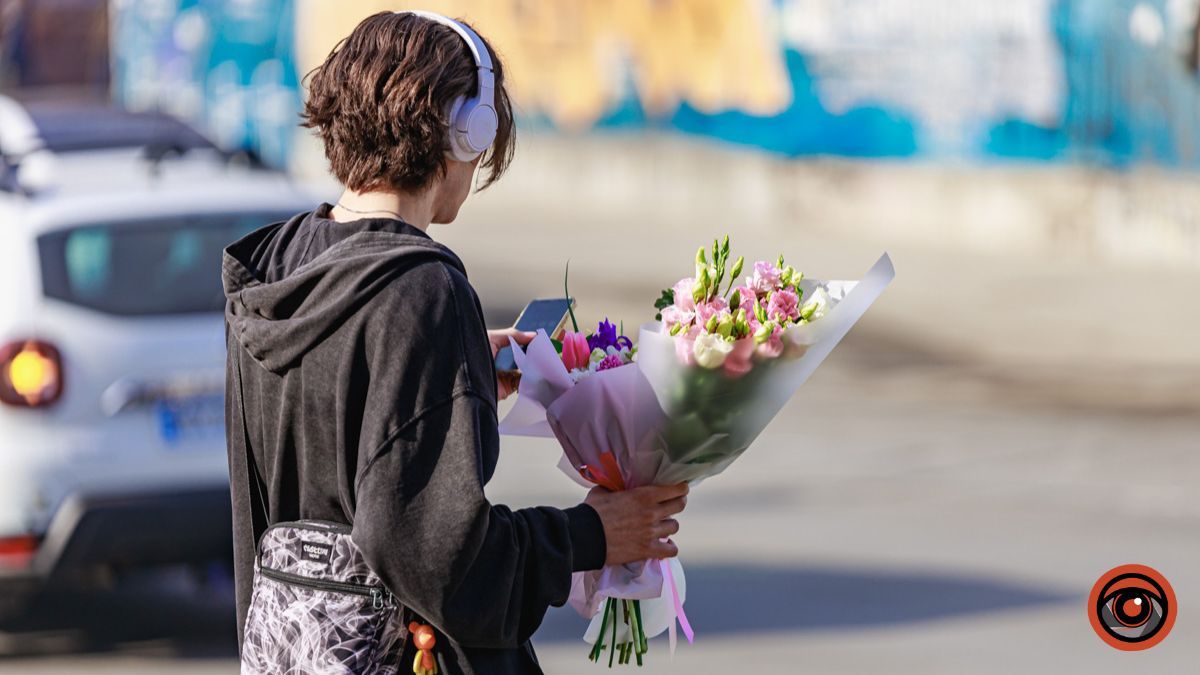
{"points": [[390, 213]]}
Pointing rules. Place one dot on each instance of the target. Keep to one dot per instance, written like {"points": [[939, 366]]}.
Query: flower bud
{"points": [[764, 332], [700, 259], [785, 277], [725, 327], [711, 326], [676, 329], [737, 267], [735, 300]]}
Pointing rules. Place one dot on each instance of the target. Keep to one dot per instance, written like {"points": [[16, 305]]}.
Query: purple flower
{"points": [[610, 361], [606, 336]]}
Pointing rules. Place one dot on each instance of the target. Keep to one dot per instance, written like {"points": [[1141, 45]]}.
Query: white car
{"points": [[112, 351]]}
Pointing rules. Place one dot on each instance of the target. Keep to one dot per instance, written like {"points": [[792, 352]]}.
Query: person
{"points": [[368, 383]]}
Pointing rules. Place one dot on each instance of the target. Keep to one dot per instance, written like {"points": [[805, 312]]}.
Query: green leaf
{"points": [[570, 303], [666, 299]]}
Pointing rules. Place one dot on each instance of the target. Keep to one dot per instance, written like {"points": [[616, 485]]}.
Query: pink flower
{"points": [[673, 315], [683, 294], [784, 305], [704, 311], [738, 361], [746, 299], [766, 277], [610, 361], [683, 346], [575, 350]]}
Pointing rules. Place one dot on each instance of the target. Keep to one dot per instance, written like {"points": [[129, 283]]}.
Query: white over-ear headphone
{"points": [[473, 120]]}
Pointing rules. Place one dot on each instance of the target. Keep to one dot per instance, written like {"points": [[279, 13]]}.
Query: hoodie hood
{"points": [[290, 285]]}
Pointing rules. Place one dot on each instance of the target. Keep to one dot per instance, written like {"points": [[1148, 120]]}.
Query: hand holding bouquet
{"points": [[680, 405]]}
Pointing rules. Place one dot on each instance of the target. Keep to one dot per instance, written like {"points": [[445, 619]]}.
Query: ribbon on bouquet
{"points": [[680, 616]]}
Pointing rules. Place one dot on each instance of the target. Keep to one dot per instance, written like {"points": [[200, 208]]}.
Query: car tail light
{"points": [[17, 552], [30, 373]]}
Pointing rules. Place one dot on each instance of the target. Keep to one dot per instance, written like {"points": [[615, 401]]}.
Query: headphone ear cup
{"points": [[472, 129], [481, 124], [458, 148]]}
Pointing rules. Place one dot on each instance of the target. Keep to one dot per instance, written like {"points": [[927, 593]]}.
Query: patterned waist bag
{"points": [[317, 607]]}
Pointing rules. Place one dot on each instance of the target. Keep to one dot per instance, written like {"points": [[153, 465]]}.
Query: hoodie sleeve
{"points": [[483, 574]]}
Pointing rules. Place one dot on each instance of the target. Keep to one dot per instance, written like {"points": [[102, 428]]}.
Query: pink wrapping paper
{"points": [[661, 421]]}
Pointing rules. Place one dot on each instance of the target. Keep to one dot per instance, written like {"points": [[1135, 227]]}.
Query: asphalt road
{"points": [[877, 526], [939, 498]]}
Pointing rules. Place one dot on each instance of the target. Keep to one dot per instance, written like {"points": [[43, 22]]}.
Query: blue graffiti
{"points": [[1126, 99]]}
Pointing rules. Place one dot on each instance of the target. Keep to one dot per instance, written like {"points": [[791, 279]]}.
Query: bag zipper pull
{"points": [[377, 597]]}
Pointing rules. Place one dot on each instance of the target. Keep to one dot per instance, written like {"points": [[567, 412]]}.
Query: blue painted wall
{"points": [[1120, 90]]}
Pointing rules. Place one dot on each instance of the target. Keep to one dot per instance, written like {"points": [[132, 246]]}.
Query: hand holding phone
{"points": [[549, 315]]}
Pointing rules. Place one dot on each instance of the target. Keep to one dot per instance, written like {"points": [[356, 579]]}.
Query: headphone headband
{"points": [[473, 120], [474, 42]]}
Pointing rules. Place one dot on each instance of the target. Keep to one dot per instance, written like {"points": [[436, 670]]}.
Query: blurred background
{"points": [[1015, 416]]}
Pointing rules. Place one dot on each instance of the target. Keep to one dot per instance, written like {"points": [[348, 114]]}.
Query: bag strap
{"points": [[257, 485]]}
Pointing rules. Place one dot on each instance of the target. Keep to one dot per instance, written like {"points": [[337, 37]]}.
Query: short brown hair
{"points": [[380, 102]]}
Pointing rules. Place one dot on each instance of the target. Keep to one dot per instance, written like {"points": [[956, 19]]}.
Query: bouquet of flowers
{"points": [[680, 405]]}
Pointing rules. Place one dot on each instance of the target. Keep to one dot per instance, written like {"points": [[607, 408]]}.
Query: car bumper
{"points": [[132, 530]]}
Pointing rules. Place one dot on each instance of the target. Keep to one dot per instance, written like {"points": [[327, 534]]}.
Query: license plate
{"points": [[191, 418]]}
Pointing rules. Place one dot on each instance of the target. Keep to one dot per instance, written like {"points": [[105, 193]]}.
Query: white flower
{"points": [[710, 350], [816, 307]]}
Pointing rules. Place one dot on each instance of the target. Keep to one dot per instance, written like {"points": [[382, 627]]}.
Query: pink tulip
{"points": [[575, 350]]}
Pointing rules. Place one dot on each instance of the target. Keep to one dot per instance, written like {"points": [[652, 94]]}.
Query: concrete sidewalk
{"points": [[1054, 326]]}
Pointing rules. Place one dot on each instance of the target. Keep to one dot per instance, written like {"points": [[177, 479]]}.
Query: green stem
{"points": [[599, 646], [612, 652], [637, 609], [637, 631]]}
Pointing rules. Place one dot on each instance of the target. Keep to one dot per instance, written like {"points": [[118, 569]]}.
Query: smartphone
{"points": [[549, 315]]}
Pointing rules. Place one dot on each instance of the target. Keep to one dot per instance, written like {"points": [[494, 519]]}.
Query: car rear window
{"points": [[164, 266]]}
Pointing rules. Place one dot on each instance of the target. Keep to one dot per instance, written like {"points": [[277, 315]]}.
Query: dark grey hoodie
{"points": [[370, 399]]}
